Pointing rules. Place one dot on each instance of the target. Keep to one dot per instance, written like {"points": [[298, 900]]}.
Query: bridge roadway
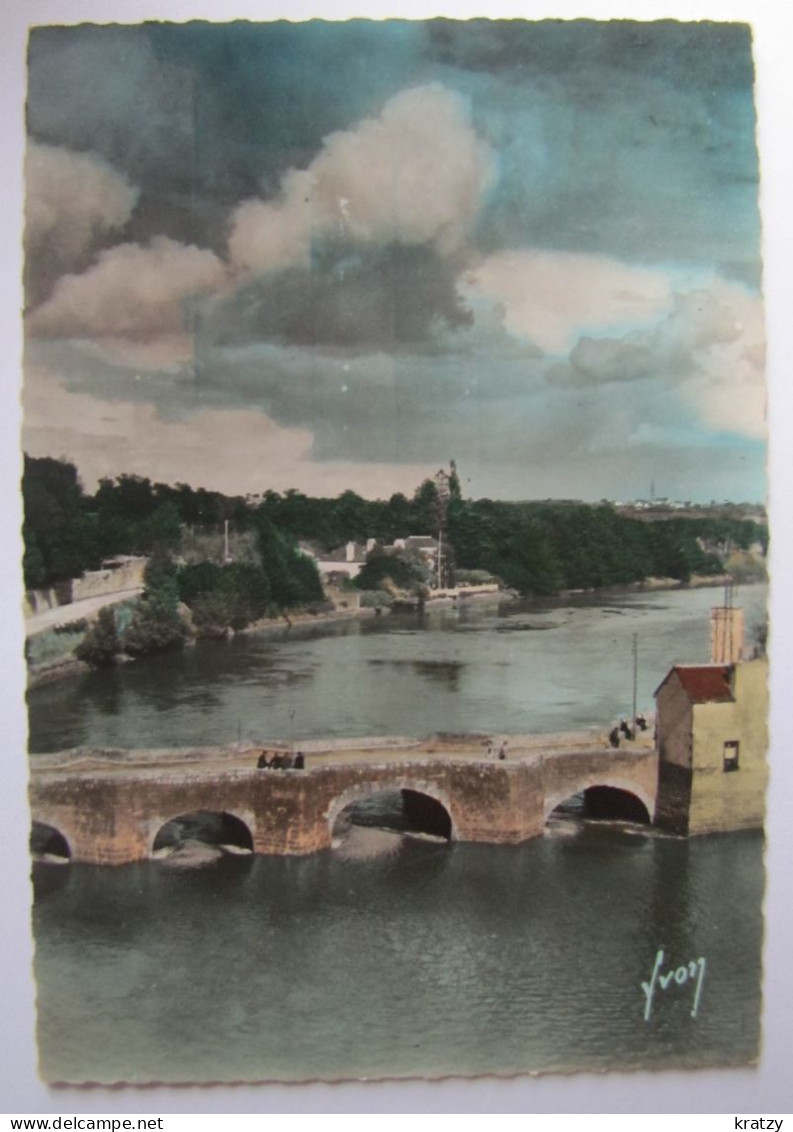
{"points": [[109, 805]]}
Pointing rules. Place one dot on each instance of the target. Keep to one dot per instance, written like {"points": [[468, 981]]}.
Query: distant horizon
{"points": [[90, 488]]}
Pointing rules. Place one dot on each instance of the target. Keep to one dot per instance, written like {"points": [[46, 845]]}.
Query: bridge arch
{"points": [[215, 827], [363, 790], [623, 786], [47, 839]]}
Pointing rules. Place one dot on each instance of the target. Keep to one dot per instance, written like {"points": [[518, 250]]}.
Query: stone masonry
{"points": [[110, 805]]}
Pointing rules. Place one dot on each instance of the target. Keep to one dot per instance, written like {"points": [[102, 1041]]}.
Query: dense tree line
{"points": [[533, 547], [546, 547], [67, 531]]}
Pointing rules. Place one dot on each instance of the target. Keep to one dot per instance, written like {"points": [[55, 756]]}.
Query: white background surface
{"points": [[766, 1090]]}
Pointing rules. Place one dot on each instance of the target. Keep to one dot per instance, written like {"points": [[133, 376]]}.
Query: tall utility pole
{"points": [[443, 494], [635, 650]]}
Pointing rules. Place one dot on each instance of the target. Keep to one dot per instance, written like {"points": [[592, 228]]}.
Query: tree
{"points": [[100, 646], [350, 517], [33, 564], [403, 571], [292, 577], [454, 481], [162, 528], [60, 537], [156, 625], [425, 504], [223, 597]]}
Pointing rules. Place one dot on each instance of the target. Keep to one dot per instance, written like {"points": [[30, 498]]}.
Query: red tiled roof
{"points": [[705, 684]]}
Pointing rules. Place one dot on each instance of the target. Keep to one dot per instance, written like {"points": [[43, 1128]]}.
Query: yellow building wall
{"points": [[731, 800]]}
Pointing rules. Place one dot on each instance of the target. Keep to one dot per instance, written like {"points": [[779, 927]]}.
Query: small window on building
{"points": [[731, 755]]}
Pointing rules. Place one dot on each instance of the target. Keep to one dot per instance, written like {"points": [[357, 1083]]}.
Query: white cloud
{"points": [[234, 451], [552, 297], [131, 291], [72, 200], [417, 173], [708, 350], [726, 382]]}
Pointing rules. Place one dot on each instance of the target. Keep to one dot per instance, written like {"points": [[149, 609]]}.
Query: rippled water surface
{"points": [[520, 667], [434, 959]]}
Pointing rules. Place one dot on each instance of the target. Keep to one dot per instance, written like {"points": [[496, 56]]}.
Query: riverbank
{"points": [[54, 670], [66, 666]]}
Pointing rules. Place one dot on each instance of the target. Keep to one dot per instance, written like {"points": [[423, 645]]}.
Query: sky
{"points": [[335, 256]]}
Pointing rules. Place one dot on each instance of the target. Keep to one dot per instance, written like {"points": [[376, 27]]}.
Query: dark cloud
{"points": [[103, 89], [362, 297], [594, 361]]}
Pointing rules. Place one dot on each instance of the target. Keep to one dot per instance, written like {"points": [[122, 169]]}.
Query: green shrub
{"points": [[404, 572], [370, 599], [155, 627], [101, 645], [212, 614], [473, 577]]}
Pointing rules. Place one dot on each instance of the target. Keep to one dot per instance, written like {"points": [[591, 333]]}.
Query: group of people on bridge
{"points": [[624, 729], [490, 749], [281, 760]]}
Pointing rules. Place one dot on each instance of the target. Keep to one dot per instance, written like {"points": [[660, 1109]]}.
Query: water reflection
{"points": [[443, 672], [104, 690], [438, 958], [48, 880]]}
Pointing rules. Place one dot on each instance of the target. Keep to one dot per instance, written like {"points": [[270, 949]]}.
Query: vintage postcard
{"points": [[395, 548]]}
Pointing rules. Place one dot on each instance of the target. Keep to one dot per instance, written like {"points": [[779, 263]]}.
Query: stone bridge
{"points": [[109, 806]]}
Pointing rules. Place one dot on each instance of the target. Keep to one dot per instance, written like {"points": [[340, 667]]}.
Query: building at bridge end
{"points": [[712, 739]]}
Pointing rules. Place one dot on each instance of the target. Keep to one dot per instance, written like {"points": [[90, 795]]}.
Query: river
{"points": [[519, 667], [427, 959]]}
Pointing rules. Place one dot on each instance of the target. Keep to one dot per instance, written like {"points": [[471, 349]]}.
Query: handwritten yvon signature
{"points": [[674, 978]]}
